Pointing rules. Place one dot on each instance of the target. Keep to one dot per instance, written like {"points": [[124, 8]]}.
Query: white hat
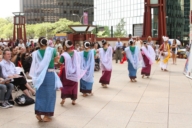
{"points": [[165, 38]]}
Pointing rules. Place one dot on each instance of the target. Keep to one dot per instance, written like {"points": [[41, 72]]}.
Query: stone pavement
{"points": [[163, 101]]}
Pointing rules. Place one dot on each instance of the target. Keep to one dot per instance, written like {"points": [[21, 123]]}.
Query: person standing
{"points": [[28, 43], [71, 72], [45, 80], [138, 42], [118, 52], [135, 60], [95, 42], [164, 54], [174, 51], [124, 55], [150, 42], [148, 58], [105, 54], [88, 64]]}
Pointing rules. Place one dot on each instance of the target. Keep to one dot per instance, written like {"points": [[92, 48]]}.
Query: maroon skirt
{"points": [[69, 89], [105, 78], [147, 69]]}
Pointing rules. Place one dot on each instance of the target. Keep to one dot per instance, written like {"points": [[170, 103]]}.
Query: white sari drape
{"points": [[106, 58], [40, 66], [136, 59], [88, 65], [72, 66], [149, 53]]}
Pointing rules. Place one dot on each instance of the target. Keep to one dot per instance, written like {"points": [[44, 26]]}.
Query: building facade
{"points": [[38, 11], [109, 13]]}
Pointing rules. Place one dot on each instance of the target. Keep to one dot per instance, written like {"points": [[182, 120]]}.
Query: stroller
{"points": [[97, 62]]}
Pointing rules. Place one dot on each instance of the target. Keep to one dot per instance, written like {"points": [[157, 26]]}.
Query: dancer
{"points": [[105, 54], [164, 54], [148, 54], [71, 72], [88, 64], [45, 80], [174, 51], [135, 60]]}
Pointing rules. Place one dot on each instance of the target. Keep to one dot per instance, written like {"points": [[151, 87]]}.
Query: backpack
{"points": [[24, 100]]}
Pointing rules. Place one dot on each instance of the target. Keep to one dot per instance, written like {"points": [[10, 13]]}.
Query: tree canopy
{"points": [[36, 30], [120, 29]]}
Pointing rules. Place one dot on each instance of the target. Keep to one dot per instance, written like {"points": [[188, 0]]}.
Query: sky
{"points": [[8, 6]]}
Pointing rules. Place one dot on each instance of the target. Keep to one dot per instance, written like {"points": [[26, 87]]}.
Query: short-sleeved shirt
{"points": [[51, 64], [62, 59]]}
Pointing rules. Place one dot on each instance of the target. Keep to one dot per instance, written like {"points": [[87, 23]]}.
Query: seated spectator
{"points": [[15, 57], [9, 71], [26, 61], [21, 44], [5, 92]]}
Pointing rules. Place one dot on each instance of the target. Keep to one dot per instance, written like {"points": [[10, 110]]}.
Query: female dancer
{"points": [[135, 60], [88, 64], [105, 54], [148, 54], [45, 80], [71, 72], [174, 51]]}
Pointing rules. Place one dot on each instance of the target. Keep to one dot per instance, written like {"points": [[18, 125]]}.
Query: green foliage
{"points": [[36, 30], [6, 29], [120, 29], [104, 33]]}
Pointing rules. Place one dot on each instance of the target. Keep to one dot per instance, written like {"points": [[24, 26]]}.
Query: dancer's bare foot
{"points": [[165, 70], [142, 76], [162, 69], [39, 118], [85, 94], [102, 84], [46, 119], [147, 76], [134, 80], [73, 102], [105, 86], [91, 94], [62, 102], [131, 80]]}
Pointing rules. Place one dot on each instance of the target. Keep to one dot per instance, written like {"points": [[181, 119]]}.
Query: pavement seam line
{"points": [[140, 98]]}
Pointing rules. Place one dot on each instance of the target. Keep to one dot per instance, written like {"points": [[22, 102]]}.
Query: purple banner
{"points": [[85, 18]]}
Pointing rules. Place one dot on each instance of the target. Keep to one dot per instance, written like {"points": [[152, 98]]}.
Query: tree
{"points": [[120, 29], [104, 33], [30, 31]]}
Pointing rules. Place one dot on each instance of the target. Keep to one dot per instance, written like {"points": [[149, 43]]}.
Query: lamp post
{"points": [[84, 9]]}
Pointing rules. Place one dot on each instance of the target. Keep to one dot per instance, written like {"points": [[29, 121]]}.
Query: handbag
{"points": [[24, 100]]}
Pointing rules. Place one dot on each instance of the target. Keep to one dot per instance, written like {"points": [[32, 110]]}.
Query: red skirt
{"points": [[147, 69], [105, 78], [69, 89]]}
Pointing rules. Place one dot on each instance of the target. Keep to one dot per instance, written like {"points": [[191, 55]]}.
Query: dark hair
{"points": [[87, 44], [175, 41], [131, 42], [104, 42], [130, 35], [42, 41], [69, 43], [6, 50]]}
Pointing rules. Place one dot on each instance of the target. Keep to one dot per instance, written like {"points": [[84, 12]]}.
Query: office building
{"points": [[38, 11], [109, 13]]}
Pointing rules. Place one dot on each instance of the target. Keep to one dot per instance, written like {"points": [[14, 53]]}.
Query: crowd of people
{"points": [[77, 65]]}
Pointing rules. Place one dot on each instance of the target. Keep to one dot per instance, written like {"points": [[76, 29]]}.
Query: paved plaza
{"points": [[162, 101]]}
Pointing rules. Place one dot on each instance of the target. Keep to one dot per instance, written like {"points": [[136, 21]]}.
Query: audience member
{"points": [[21, 44], [9, 71]]}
